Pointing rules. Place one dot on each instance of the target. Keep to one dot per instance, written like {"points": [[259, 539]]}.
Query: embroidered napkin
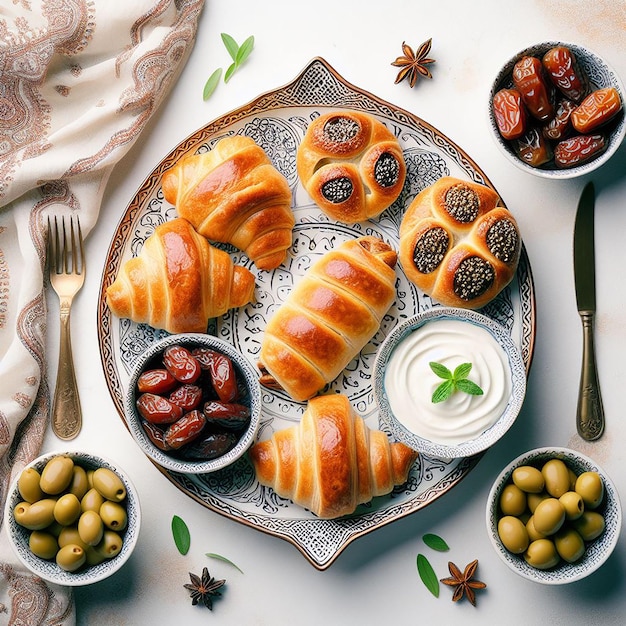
{"points": [[79, 79]]}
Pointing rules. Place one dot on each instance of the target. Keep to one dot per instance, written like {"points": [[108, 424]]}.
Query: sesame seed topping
{"points": [[430, 249], [341, 129], [502, 240], [462, 203], [473, 278], [337, 190], [386, 170]]}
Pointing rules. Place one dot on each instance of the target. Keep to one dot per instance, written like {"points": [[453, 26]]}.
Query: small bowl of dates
{"points": [[553, 515], [557, 110], [193, 403]]}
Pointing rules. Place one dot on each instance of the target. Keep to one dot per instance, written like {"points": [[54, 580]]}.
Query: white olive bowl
{"points": [[249, 395], [19, 536], [504, 382], [600, 75], [597, 550]]}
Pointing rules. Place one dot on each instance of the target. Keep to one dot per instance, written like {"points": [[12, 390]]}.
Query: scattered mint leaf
{"points": [[237, 53], [435, 542], [244, 50], [231, 45], [230, 71], [427, 574], [211, 84], [453, 381], [181, 535], [219, 557]]}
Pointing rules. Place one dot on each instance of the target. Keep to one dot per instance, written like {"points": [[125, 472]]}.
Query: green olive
{"points": [[35, 516], [556, 477], [528, 479], [573, 503], [90, 528], [591, 489], [67, 509], [57, 474], [71, 557], [541, 554], [79, 485], [533, 533], [535, 498], [69, 535], [572, 479], [549, 516], [28, 485], [110, 545], [92, 501], [512, 500], [109, 484], [43, 544], [93, 556], [113, 515], [589, 525], [569, 544], [513, 534]]}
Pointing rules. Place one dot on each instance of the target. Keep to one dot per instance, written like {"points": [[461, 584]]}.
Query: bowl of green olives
{"points": [[556, 110], [193, 403], [72, 518], [553, 515]]}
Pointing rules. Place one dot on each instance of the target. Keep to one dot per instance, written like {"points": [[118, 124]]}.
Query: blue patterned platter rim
{"points": [[517, 373], [597, 551], [600, 75], [277, 121], [245, 372], [49, 570]]}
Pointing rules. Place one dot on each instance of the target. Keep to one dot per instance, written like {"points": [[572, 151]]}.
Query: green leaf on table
{"points": [[230, 71], [244, 50], [181, 535], [435, 542], [211, 84], [453, 381], [231, 45], [427, 574], [219, 557]]}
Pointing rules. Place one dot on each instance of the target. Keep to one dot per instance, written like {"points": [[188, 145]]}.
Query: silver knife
{"points": [[590, 412]]}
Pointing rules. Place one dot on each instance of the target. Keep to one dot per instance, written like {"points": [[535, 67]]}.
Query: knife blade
{"points": [[590, 411]]}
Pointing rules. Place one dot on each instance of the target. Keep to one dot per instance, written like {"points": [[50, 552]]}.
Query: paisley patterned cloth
{"points": [[79, 79]]}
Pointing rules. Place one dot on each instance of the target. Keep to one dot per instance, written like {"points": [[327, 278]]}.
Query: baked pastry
{"points": [[178, 281], [331, 461], [233, 194], [458, 245], [333, 311], [351, 165]]}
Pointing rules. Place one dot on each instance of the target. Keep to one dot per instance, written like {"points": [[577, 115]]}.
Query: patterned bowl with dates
{"points": [[556, 110], [193, 403]]}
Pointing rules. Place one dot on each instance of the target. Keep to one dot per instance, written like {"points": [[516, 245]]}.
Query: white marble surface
{"points": [[375, 579]]}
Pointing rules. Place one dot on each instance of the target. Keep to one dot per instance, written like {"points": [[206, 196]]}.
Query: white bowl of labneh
{"points": [[449, 382]]}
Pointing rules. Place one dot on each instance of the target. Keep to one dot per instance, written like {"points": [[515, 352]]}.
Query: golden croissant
{"points": [[233, 194], [331, 314], [179, 281], [331, 461]]}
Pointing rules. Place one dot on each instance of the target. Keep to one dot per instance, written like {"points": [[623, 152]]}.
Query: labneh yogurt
{"points": [[409, 381]]}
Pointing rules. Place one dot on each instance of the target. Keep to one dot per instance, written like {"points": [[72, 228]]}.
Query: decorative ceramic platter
{"points": [[277, 121]]}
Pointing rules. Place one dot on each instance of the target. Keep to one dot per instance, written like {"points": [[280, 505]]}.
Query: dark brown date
{"points": [[579, 149], [156, 381], [560, 125], [528, 78], [564, 72], [185, 430], [210, 446], [221, 370], [156, 435], [510, 113], [227, 414], [598, 108], [187, 397], [157, 409], [533, 149], [180, 363]]}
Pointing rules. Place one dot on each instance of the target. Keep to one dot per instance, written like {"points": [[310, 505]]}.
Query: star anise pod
{"points": [[463, 582], [414, 64], [204, 589]]}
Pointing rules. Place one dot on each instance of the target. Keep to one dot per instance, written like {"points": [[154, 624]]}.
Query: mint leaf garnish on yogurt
{"points": [[453, 381]]}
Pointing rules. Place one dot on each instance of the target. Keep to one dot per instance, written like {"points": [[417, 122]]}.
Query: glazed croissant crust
{"points": [[331, 314], [233, 194], [331, 461], [178, 281]]}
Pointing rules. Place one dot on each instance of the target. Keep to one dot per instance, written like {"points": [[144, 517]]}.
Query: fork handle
{"points": [[590, 411], [66, 411]]}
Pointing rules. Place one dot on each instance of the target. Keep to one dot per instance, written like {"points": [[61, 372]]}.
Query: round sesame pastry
{"points": [[351, 165], [458, 244]]}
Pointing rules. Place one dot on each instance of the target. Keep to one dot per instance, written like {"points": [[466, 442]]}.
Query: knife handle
{"points": [[590, 412]]}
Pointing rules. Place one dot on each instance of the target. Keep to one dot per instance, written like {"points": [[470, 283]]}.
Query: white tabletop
{"points": [[375, 579]]}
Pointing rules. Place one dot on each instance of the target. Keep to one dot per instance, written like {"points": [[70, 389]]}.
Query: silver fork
{"points": [[67, 275]]}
